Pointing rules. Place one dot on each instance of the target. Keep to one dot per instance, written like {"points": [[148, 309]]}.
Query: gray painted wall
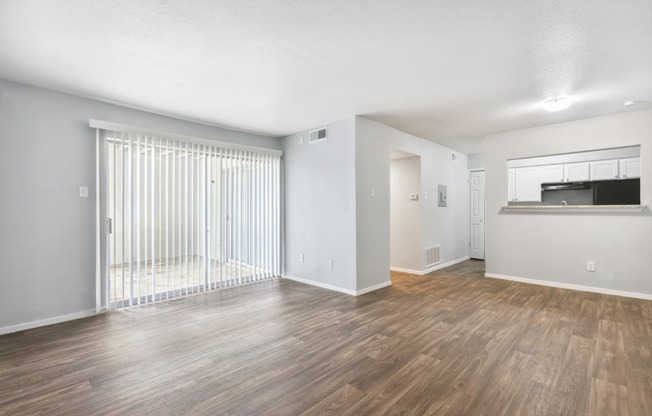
{"points": [[405, 214], [320, 206], [330, 213], [555, 248], [47, 232], [446, 226]]}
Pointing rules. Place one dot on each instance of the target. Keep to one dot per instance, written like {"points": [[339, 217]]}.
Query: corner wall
{"points": [[320, 211], [47, 232], [445, 226], [555, 248]]}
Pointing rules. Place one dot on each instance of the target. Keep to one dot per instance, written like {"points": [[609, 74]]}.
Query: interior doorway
{"points": [[477, 214], [406, 238]]}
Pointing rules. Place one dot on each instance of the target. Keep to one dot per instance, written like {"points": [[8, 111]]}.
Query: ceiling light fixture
{"points": [[629, 103], [557, 104]]}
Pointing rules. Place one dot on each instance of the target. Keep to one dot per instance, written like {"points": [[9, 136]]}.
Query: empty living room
{"points": [[326, 207]]}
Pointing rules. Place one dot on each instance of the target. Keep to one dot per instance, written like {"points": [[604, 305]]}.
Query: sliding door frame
{"points": [[212, 152]]}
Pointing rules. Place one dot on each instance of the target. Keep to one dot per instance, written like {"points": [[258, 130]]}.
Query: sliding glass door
{"points": [[185, 217]]}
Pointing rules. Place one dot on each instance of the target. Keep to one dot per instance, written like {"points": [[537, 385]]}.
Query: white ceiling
{"points": [[449, 71], [395, 154]]}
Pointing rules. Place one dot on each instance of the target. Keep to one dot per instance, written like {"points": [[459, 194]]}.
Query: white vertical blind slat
{"points": [[122, 217], [167, 219], [131, 221], [191, 223], [240, 230], [222, 217], [145, 194], [173, 217]]}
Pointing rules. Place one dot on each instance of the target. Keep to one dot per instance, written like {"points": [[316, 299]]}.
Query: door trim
{"points": [[484, 211]]}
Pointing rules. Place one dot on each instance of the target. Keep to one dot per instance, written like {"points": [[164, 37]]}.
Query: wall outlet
{"points": [[590, 266], [83, 191], [329, 264], [425, 195], [301, 258], [372, 192]]}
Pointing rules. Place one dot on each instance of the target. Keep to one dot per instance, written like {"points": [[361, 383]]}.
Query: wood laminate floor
{"points": [[449, 343]]}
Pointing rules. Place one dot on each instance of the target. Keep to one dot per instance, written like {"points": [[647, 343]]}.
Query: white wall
{"points": [[406, 251], [320, 212], [47, 233], [555, 248], [475, 161], [445, 226]]}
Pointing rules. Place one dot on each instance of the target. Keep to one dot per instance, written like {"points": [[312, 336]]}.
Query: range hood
{"points": [[564, 186]]}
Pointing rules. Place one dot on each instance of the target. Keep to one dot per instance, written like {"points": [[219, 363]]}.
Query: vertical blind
{"points": [[184, 217]]}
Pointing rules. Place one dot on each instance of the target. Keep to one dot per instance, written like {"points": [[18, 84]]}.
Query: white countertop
{"points": [[540, 209]]}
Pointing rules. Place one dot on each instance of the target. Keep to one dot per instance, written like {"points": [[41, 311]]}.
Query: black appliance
{"points": [[617, 192]]}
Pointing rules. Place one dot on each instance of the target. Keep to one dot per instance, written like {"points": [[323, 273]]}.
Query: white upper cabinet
{"points": [[525, 184], [575, 172], [604, 169], [569, 172], [630, 168], [510, 184], [616, 169], [552, 173]]}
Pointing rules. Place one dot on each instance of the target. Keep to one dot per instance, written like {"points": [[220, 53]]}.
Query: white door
{"points": [[477, 215]]}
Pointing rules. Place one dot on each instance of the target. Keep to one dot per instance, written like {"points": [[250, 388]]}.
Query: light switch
{"points": [[83, 191], [442, 199]]}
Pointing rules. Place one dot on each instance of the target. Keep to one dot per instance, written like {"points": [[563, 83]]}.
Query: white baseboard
{"points": [[50, 321], [402, 270], [429, 269], [372, 288], [560, 285], [337, 288], [319, 284]]}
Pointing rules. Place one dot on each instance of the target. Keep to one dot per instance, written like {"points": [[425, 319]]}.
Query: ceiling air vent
{"points": [[317, 135]]}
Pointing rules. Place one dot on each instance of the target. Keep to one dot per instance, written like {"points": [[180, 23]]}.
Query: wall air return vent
{"points": [[317, 135], [432, 256]]}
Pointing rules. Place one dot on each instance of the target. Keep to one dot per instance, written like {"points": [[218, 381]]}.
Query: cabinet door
{"points": [[630, 168], [510, 184], [552, 173], [526, 184], [575, 172], [604, 169]]}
